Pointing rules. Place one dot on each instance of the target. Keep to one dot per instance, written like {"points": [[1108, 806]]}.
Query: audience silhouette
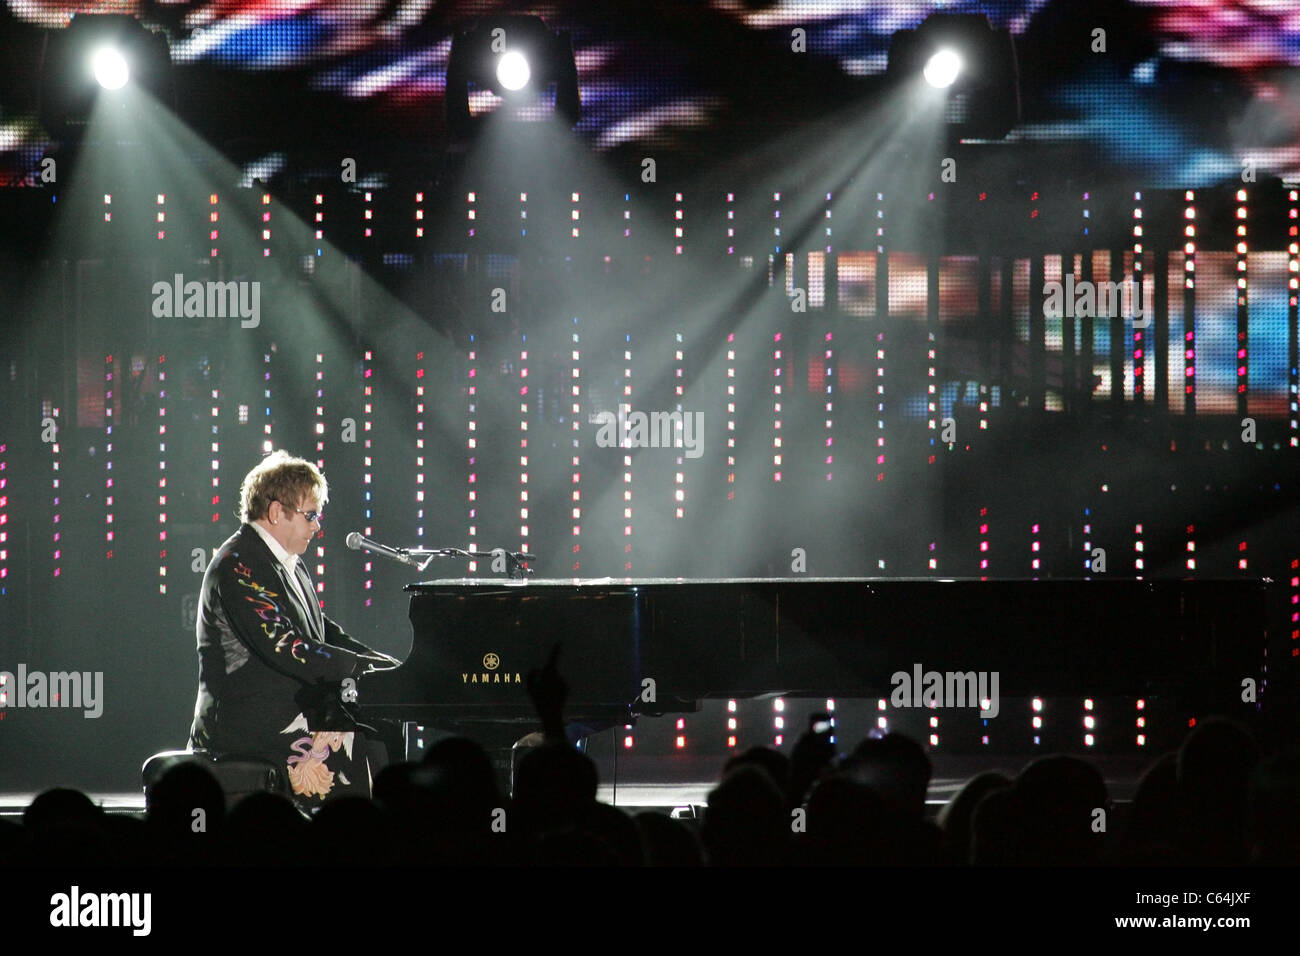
{"points": [[1217, 800]]}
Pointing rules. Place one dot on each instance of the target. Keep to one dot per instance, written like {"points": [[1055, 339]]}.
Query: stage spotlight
{"points": [[97, 53], [512, 71], [964, 60], [110, 68], [518, 59], [942, 69]]}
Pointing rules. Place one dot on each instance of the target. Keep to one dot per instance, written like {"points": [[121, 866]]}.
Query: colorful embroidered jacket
{"points": [[265, 660]]}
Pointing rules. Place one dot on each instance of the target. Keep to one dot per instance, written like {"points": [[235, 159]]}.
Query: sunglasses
{"points": [[309, 515]]}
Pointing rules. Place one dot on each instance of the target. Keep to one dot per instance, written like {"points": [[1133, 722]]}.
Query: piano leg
{"points": [[386, 740], [500, 741], [505, 743]]}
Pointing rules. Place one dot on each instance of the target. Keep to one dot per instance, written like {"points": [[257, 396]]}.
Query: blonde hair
{"points": [[280, 477]]}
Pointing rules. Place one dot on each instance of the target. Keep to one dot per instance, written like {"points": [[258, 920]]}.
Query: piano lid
{"points": [[879, 582]]}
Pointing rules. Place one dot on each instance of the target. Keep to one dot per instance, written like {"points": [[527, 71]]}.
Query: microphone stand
{"points": [[515, 560]]}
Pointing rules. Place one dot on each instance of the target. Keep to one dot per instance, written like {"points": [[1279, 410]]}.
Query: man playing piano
{"points": [[273, 670]]}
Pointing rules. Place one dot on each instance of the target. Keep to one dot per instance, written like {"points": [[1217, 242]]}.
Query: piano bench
{"points": [[238, 776]]}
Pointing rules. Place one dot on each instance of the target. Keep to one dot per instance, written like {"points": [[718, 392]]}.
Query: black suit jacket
{"points": [[266, 654]]}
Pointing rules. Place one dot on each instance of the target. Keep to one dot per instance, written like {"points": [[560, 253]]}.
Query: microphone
{"points": [[356, 542]]}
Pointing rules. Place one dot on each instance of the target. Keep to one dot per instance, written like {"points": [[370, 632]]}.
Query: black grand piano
{"points": [[638, 647]]}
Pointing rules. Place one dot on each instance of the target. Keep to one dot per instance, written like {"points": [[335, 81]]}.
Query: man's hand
{"points": [[376, 661]]}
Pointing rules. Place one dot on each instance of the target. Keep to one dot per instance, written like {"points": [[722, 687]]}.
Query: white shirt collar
{"points": [[288, 560]]}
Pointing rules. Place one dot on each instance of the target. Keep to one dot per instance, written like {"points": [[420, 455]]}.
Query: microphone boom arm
{"points": [[515, 560]]}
